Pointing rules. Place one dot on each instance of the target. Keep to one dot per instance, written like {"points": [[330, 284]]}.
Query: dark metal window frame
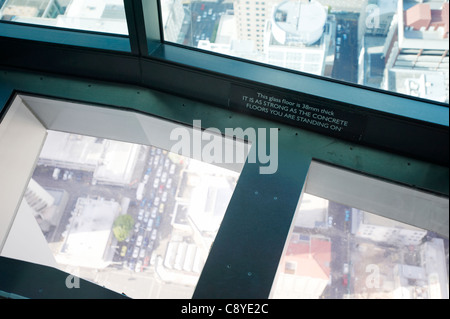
{"points": [[411, 126], [400, 125]]}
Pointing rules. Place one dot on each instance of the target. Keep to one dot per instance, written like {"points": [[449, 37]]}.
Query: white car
{"points": [[169, 183], [150, 225], [141, 214], [153, 212], [135, 252], [139, 240], [164, 197], [159, 171], [138, 267], [345, 268], [156, 183]]}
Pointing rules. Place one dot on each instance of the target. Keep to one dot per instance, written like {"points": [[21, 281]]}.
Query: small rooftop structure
{"points": [[422, 17], [298, 22]]}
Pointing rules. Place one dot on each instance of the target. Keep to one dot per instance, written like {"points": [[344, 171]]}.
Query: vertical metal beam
{"points": [[246, 253], [144, 26]]}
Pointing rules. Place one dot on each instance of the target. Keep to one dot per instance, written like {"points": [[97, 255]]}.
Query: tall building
{"points": [[14, 9], [416, 51], [298, 36], [379, 16], [251, 18], [173, 18]]}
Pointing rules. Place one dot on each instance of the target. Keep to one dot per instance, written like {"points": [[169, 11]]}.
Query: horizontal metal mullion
{"points": [[69, 60], [409, 136], [373, 99], [74, 37], [392, 133]]}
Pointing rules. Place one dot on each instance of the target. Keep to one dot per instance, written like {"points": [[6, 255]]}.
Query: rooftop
{"points": [[295, 21]]}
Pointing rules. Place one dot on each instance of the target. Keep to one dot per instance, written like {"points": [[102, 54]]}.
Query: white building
{"points": [[299, 37], [381, 229], [378, 16], [47, 205], [228, 41], [427, 281], [112, 162], [173, 15], [100, 15], [89, 235], [312, 212], [16, 9], [416, 51], [251, 18]]}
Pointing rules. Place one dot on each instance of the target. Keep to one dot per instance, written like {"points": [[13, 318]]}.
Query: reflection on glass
{"points": [[133, 218], [100, 15], [395, 45], [335, 251]]}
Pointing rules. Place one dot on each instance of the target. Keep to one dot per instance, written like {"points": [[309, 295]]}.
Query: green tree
{"points": [[122, 227]]}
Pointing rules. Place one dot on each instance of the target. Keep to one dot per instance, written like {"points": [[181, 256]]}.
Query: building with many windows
{"points": [[417, 51], [299, 37], [251, 19]]}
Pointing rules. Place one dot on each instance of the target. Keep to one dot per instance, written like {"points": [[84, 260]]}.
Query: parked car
{"points": [[345, 280], [154, 233], [140, 214], [139, 240], [164, 197], [164, 177], [153, 212], [123, 251], [150, 225], [169, 183], [146, 241], [345, 268], [135, 252], [55, 174], [138, 267], [159, 171], [157, 221]]}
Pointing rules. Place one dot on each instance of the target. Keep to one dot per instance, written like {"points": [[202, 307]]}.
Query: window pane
{"points": [[354, 41], [336, 251], [100, 15], [134, 218]]}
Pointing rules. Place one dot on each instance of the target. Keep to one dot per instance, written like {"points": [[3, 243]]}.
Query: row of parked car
{"points": [[160, 175]]}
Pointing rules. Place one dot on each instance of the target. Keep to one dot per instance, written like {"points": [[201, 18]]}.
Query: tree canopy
{"points": [[122, 227]]}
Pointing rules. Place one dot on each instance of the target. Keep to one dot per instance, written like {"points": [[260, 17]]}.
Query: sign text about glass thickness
{"points": [[294, 111]]}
